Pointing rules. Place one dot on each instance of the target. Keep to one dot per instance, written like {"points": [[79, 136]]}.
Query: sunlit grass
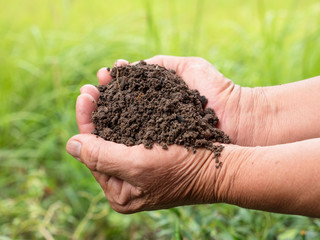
{"points": [[48, 49]]}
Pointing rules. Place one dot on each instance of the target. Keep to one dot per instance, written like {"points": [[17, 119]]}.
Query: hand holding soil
{"points": [[136, 179]]}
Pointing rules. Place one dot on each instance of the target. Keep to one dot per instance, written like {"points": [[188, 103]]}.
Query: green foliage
{"points": [[48, 49]]}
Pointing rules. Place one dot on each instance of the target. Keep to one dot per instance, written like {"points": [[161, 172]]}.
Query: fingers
{"points": [[124, 173], [169, 62], [103, 76], [101, 178], [120, 62], [122, 196], [91, 90], [178, 64], [103, 156], [85, 105]]}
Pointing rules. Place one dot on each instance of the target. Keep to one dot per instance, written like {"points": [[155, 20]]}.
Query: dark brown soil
{"points": [[149, 104]]}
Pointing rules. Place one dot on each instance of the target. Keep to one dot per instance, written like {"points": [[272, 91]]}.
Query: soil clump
{"points": [[148, 104]]}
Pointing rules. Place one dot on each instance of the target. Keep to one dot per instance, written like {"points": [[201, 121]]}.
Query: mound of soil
{"points": [[147, 104]]}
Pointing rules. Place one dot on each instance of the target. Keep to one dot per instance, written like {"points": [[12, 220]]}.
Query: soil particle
{"points": [[148, 104]]}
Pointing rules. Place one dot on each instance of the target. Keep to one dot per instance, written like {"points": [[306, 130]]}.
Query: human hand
{"points": [[136, 179]]}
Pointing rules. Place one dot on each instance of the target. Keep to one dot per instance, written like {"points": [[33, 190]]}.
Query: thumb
{"points": [[100, 155]]}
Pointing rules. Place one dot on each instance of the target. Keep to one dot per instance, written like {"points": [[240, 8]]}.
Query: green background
{"points": [[49, 49]]}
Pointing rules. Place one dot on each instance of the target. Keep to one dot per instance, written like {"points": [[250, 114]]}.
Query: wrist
{"points": [[253, 118], [234, 158], [270, 178], [290, 105], [216, 183]]}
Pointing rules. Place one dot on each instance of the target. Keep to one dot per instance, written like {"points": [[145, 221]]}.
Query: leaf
{"points": [[177, 231], [289, 234]]}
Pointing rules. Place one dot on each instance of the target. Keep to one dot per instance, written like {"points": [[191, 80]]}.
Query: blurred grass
{"points": [[48, 49]]}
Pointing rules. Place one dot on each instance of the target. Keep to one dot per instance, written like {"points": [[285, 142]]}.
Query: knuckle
{"points": [[122, 200], [92, 155], [102, 158], [121, 209], [116, 206], [128, 206]]}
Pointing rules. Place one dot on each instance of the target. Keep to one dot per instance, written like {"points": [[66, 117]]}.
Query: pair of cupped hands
{"points": [[136, 179]]}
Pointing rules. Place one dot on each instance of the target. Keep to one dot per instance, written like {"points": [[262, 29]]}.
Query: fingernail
{"points": [[73, 148]]}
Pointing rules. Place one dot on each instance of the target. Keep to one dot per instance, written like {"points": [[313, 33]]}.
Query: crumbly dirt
{"points": [[148, 104]]}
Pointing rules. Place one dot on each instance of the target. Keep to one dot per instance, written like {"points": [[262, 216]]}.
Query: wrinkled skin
{"points": [[136, 179], [267, 178]]}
